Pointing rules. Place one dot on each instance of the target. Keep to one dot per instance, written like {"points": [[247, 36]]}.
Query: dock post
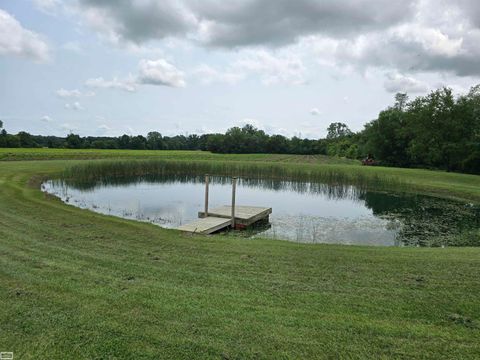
{"points": [[234, 188], [206, 195]]}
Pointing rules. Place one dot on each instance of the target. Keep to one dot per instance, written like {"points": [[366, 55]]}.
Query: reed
{"points": [[97, 172]]}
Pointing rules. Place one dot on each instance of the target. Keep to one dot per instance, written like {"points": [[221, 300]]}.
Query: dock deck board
{"points": [[245, 215], [206, 225], [220, 218]]}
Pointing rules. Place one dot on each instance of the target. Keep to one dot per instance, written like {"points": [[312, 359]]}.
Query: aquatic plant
{"points": [[98, 172]]}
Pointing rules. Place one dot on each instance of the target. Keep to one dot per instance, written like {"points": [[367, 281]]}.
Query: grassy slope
{"points": [[92, 286]]}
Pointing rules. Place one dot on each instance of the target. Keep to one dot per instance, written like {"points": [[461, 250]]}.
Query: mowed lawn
{"points": [[76, 284]]}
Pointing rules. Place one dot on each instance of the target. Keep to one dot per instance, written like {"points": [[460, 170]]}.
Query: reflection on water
{"points": [[302, 212]]}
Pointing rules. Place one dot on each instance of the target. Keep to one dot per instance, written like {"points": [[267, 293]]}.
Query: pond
{"points": [[302, 212]]}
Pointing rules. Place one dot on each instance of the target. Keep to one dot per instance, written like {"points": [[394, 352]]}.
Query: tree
{"points": [[155, 141], [73, 141], [386, 138], [1, 124], [277, 144], [124, 142], [401, 100], [337, 130], [26, 140], [138, 142]]}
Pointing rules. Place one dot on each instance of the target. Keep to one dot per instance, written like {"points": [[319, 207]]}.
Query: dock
{"points": [[220, 218], [244, 215], [236, 217], [206, 225]]}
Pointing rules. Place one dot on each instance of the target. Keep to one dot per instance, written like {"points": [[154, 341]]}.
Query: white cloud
{"points": [[104, 127], [315, 112], [160, 72], [47, 6], [151, 72], [16, 40], [69, 127], [74, 106], [209, 75], [405, 36], [74, 93], [396, 83], [282, 67], [127, 84], [46, 118]]}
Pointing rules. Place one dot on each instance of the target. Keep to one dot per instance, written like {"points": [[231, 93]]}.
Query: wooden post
{"points": [[205, 214], [234, 188]]}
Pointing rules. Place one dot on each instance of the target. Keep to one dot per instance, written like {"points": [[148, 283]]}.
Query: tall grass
{"points": [[106, 171]]}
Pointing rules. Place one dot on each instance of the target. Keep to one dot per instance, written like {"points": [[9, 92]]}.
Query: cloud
{"points": [[74, 106], [438, 39], [137, 21], [160, 72], [271, 68], [104, 127], [75, 93], [16, 40], [315, 112], [127, 84], [150, 72], [238, 22], [396, 83], [281, 22], [209, 75], [47, 6], [405, 36], [284, 67], [69, 127], [46, 118]]}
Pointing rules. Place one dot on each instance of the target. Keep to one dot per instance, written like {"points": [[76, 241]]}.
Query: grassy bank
{"points": [[92, 154], [83, 285]]}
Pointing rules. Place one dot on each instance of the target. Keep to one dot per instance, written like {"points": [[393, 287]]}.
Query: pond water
{"points": [[302, 212]]}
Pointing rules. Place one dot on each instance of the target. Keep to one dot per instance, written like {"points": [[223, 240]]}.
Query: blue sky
{"points": [[96, 67]]}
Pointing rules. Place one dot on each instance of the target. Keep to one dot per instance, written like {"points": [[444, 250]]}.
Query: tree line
{"points": [[438, 131]]}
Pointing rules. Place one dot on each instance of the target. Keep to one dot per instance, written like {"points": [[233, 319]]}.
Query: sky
{"points": [[107, 68]]}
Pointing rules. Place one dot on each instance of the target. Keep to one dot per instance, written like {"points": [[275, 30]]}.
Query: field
{"points": [[82, 285]]}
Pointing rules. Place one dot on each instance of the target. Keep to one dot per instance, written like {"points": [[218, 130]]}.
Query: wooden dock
{"points": [[237, 217], [220, 218], [206, 225], [244, 215]]}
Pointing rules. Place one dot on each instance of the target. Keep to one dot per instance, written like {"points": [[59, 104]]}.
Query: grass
{"points": [[83, 285], [91, 154]]}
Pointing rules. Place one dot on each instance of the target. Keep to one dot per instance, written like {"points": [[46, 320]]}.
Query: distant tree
{"points": [[124, 142], [26, 140], [401, 100], [437, 132], [386, 138], [9, 141], [215, 143], [1, 124], [337, 130], [73, 141], [138, 143], [155, 141], [277, 144]]}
